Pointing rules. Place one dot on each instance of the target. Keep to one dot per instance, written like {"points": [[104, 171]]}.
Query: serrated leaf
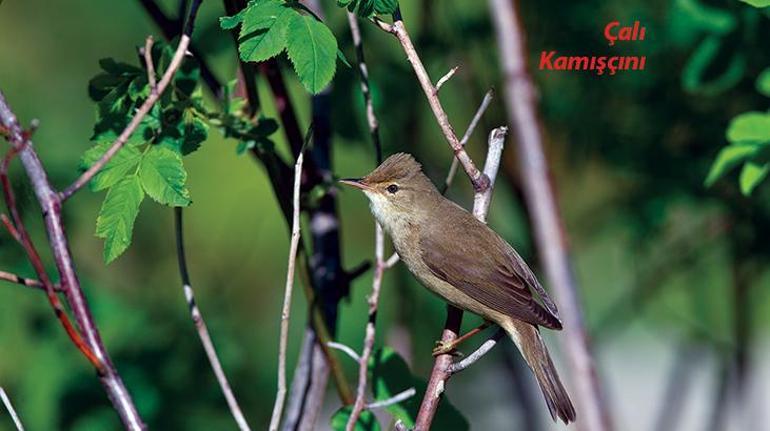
{"points": [[751, 175], [312, 50], [263, 33], [120, 165], [385, 6], [115, 222], [749, 127], [757, 3], [163, 177], [366, 422], [195, 132], [763, 82], [729, 157]]}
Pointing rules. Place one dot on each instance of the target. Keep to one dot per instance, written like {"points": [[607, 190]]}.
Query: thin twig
{"points": [[148, 63], [548, 227], [446, 78], [443, 363], [395, 399], [13, 278], [479, 181], [143, 110], [344, 349], [280, 396], [363, 74], [11, 411], [485, 348], [202, 329], [392, 260], [466, 137]]}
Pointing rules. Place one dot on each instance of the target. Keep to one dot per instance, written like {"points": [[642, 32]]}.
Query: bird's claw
{"points": [[445, 347]]}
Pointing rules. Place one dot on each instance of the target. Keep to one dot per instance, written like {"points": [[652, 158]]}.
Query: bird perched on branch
{"points": [[465, 262]]}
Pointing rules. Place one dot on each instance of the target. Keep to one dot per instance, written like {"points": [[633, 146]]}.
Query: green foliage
{"points": [[116, 218], [151, 160], [390, 375], [757, 3], [763, 82], [368, 8], [366, 422], [749, 137], [268, 27]]}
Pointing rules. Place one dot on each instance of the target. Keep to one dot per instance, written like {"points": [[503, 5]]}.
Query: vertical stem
{"points": [[548, 228]]}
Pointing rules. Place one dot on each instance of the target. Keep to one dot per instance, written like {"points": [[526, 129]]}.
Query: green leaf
{"points": [[123, 162], [115, 222], [702, 61], [390, 375], [163, 177], [749, 127], [264, 30], [729, 157], [195, 132], [385, 6], [757, 3], [365, 422], [751, 175], [365, 8], [312, 50], [344, 3], [763, 82]]}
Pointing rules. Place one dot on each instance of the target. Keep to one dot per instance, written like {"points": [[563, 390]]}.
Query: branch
{"points": [[201, 328], [446, 78], [280, 396], [13, 278], [50, 204], [395, 399], [442, 365], [143, 110], [548, 227], [479, 181], [149, 64], [344, 349], [11, 411], [379, 248], [485, 348], [467, 136]]}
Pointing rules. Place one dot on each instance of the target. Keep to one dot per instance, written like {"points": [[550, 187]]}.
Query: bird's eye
{"points": [[392, 189]]}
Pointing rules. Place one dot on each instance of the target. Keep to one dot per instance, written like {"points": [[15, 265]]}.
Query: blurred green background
{"points": [[662, 261]]}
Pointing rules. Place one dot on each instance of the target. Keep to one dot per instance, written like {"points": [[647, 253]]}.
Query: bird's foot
{"points": [[446, 347]]}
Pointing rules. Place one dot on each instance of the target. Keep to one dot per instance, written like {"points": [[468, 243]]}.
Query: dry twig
{"points": [[11, 411], [280, 396]]}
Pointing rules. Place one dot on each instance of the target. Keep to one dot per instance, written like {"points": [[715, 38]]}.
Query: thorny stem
{"points": [[201, 328], [280, 396]]}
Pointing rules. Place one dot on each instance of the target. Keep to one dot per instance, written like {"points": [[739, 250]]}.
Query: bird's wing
{"points": [[493, 274]]}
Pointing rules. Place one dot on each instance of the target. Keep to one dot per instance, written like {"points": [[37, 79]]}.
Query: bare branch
{"points": [[202, 329], [13, 278], [446, 78], [443, 363], [143, 110], [11, 411], [392, 260], [280, 396], [344, 349], [466, 137], [520, 100], [395, 399], [479, 181], [149, 64], [485, 348], [363, 74]]}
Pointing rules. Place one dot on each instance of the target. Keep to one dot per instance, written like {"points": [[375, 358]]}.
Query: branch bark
{"points": [[202, 329], [280, 396], [442, 366], [14, 416], [547, 225]]}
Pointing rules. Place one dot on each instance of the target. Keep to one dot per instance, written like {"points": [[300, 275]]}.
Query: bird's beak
{"points": [[355, 182]]}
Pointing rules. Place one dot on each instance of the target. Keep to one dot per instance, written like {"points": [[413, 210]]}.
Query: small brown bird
{"points": [[466, 263]]}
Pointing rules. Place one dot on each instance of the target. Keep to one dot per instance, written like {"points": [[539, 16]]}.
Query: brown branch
{"points": [[442, 365], [363, 75], [13, 278], [7, 402], [471, 359], [479, 181], [201, 328], [50, 204], [148, 63], [143, 110], [280, 396], [548, 227]]}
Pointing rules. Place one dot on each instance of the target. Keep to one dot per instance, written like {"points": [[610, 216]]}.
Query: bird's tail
{"points": [[527, 339]]}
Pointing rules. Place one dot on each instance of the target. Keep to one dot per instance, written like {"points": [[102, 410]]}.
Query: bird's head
{"points": [[396, 189]]}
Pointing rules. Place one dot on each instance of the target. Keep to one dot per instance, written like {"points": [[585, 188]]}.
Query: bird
{"points": [[466, 263]]}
